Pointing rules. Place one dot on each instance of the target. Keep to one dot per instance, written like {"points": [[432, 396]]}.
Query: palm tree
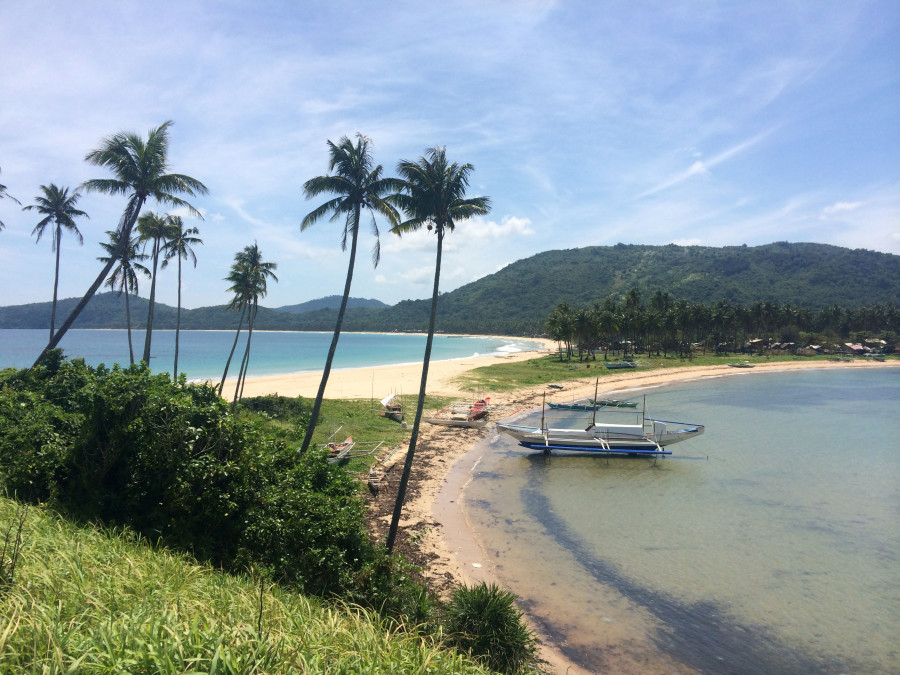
{"points": [[179, 246], [358, 185], [140, 170], [5, 195], [58, 207], [125, 274], [239, 276], [154, 230], [257, 274], [432, 194]]}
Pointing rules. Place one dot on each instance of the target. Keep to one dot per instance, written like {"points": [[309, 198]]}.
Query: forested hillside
{"points": [[518, 298], [330, 302]]}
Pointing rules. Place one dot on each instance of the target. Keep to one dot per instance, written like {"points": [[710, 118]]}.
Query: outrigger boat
{"points": [[590, 404], [337, 451], [618, 431], [462, 414], [393, 408]]}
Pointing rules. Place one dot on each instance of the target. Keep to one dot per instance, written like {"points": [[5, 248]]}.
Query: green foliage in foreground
{"points": [[484, 621], [126, 447], [91, 601]]}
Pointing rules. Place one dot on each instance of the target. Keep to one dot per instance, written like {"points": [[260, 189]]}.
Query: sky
{"points": [[588, 124]]}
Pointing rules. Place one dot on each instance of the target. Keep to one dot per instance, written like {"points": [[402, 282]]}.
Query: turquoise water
{"points": [[202, 354], [771, 544]]}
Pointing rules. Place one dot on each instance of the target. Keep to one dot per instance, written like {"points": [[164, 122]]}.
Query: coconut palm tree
{"points": [[358, 185], [141, 173], [432, 194], [154, 231], [257, 275], [179, 246], [124, 276], [58, 208], [5, 195], [239, 276]]}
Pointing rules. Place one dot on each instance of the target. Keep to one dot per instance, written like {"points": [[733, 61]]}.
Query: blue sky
{"points": [[588, 123]]}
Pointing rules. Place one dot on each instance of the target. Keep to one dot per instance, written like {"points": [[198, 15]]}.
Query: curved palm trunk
{"points": [[128, 322], [231, 354], [243, 380], [407, 466], [177, 323], [242, 374], [67, 324], [55, 282], [148, 336], [320, 394]]}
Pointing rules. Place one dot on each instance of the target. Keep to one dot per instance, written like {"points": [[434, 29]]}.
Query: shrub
{"points": [[484, 621], [127, 447]]}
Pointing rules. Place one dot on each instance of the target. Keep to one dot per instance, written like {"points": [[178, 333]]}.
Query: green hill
{"points": [[518, 298], [330, 302]]}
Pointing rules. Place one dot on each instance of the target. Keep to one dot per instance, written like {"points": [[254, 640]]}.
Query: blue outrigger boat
{"points": [[615, 431]]}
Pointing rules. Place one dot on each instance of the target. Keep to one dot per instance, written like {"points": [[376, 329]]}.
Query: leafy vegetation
{"points": [[93, 600], [664, 325], [170, 463], [484, 621], [126, 447]]}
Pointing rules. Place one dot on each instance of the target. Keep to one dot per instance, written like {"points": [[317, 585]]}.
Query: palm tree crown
{"points": [[5, 195], [433, 193], [358, 185], [58, 207]]}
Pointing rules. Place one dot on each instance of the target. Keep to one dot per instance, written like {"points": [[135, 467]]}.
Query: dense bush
{"points": [[168, 459], [484, 621]]}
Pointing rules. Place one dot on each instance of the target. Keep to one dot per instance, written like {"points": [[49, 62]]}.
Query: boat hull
{"points": [[610, 439]]}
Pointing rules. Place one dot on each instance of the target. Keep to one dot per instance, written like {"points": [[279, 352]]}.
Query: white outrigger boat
{"points": [[610, 430]]}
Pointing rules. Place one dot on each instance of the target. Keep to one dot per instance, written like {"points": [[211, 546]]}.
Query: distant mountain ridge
{"points": [[517, 299], [330, 302], [107, 310]]}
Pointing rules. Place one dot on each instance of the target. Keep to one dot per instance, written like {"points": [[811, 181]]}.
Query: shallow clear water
{"points": [[202, 354], [769, 544]]}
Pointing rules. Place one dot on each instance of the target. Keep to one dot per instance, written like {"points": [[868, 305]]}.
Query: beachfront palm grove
{"points": [[146, 489]]}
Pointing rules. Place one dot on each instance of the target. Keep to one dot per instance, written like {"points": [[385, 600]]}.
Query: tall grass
{"points": [[99, 601]]}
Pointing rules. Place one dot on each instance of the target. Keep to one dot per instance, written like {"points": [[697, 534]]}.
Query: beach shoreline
{"points": [[378, 381], [435, 532]]}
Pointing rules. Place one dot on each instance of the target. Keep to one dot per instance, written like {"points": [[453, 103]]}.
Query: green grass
{"points": [[340, 418], [549, 369], [93, 601]]}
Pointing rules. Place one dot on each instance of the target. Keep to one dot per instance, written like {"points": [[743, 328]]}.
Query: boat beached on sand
{"points": [[462, 414], [609, 430]]}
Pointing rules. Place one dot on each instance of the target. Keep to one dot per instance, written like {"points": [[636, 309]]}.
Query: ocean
{"points": [[771, 544], [202, 354]]}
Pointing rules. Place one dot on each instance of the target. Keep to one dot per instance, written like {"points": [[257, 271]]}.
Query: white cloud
{"points": [[839, 207]]}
